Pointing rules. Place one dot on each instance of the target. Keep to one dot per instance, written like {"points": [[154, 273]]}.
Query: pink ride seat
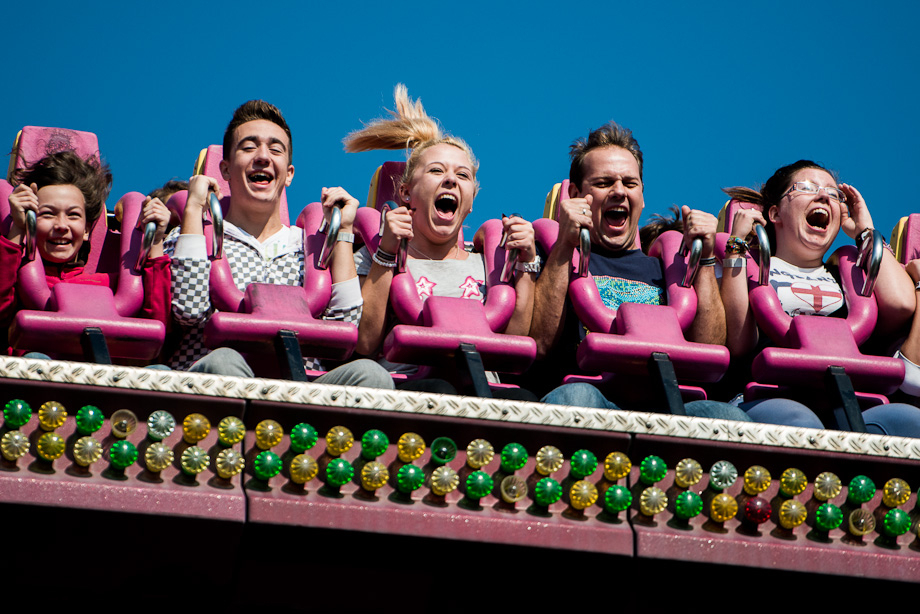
{"points": [[251, 321], [269, 319], [56, 320], [809, 349], [435, 331]]}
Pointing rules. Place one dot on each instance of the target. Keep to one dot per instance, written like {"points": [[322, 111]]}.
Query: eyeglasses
{"points": [[807, 187]]}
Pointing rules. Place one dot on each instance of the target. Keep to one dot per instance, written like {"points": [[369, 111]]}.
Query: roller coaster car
{"points": [[438, 331], [639, 340], [818, 352], [74, 319], [272, 319]]}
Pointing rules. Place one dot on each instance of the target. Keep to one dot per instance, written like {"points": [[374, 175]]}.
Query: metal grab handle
{"points": [[763, 244], [217, 220], [584, 251], [870, 257], [402, 252], [693, 265], [150, 233], [332, 231], [511, 258], [28, 238]]}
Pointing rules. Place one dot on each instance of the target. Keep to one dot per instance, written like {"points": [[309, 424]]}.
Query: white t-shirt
{"points": [[808, 291]]}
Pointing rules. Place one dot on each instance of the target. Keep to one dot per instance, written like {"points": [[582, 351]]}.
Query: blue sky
{"points": [[717, 94]]}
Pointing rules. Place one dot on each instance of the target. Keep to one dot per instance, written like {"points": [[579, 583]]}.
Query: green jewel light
{"points": [[514, 457], [547, 491], [583, 463], [267, 465], [89, 419], [652, 469], [443, 450], [303, 437], [687, 505], [122, 454], [409, 478], [617, 499], [478, 485], [861, 490], [339, 472], [897, 522], [373, 444], [828, 517], [16, 414], [160, 425], [722, 475]]}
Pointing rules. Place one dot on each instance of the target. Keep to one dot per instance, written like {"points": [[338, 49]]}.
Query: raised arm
{"points": [[709, 323], [552, 287], [894, 290], [521, 236], [740, 328], [375, 286], [189, 265]]}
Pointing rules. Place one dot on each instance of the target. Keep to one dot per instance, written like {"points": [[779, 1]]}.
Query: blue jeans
{"points": [[363, 372], [586, 395], [896, 419]]}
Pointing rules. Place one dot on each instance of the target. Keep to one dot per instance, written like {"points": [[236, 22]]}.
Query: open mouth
{"points": [[616, 216], [818, 218], [259, 177], [446, 205]]}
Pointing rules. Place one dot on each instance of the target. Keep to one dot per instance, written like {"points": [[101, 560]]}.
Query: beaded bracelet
{"points": [[736, 245], [384, 259]]}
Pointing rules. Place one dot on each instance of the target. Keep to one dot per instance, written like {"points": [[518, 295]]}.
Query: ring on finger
{"points": [[584, 212]]}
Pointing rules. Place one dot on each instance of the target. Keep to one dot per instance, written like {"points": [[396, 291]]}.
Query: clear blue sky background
{"points": [[717, 94]]}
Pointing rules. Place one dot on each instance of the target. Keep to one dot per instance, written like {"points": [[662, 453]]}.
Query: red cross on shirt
{"points": [[817, 294]]}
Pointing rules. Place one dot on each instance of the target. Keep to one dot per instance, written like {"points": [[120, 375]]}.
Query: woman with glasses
{"points": [[803, 209]]}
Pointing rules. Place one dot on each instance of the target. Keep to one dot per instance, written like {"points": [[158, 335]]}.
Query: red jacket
{"points": [[156, 282]]}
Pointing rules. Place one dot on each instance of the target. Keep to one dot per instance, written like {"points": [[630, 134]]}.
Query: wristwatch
{"points": [[534, 266]]}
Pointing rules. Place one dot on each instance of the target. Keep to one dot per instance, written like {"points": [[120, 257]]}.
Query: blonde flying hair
{"points": [[409, 128]]}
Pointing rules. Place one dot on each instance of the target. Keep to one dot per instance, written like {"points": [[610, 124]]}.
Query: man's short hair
{"points": [[610, 134], [251, 111]]}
